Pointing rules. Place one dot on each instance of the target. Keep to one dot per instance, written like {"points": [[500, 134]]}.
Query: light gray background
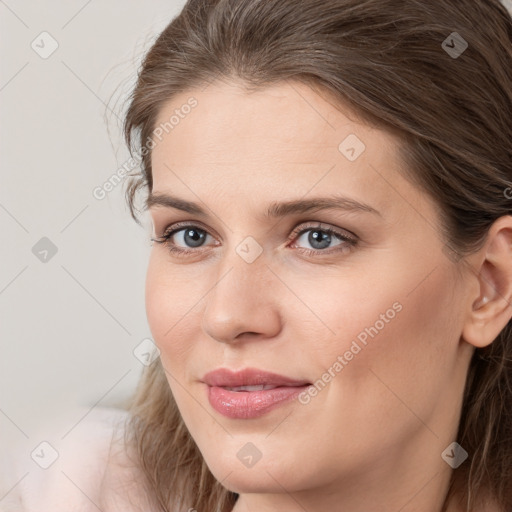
{"points": [[68, 327]]}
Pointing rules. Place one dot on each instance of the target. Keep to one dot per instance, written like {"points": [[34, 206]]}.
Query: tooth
{"points": [[259, 387]]}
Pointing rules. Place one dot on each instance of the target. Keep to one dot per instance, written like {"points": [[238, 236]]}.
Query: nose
{"points": [[244, 301]]}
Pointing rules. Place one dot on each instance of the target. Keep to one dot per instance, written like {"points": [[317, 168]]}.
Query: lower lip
{"points": [[250, 404]]}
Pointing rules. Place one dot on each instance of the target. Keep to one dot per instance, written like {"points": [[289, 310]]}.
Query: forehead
{"points": [[283, 140], [285, 116]]}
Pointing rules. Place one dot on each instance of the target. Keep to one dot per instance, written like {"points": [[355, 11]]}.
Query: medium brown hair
{"points": [[453, 113]]}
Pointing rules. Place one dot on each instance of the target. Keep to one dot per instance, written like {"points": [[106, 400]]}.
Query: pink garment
{"points": [[92, 472]]}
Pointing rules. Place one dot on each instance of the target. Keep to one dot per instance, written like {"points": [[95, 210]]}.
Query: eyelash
{"points": [[351, 241]]}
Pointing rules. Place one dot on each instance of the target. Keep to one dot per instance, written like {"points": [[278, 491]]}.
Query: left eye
{"points": [[321, 238]]}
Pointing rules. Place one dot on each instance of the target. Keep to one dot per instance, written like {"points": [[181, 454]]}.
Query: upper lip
{"points": [[223, 377]]}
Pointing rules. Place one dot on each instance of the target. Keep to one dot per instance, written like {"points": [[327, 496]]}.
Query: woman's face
{"points": [[370, 314]]}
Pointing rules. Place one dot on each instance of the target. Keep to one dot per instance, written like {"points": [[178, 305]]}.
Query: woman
{"points": [[330, 284], [405, 107]]}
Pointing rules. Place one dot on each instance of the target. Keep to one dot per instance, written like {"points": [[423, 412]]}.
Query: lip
{"points": [[249, 404], [223, 377]]}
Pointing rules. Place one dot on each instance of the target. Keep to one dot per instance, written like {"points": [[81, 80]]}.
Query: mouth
{"points": [[250, 393]]}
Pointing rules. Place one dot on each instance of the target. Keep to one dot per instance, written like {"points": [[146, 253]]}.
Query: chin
{"points": [[263, 477], [248, 482]]}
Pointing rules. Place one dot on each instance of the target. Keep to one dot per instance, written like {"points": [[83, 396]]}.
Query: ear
{"points": [[491, 299]]}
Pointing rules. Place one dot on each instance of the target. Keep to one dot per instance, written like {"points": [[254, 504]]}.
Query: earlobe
{"points": [[491, 308]]}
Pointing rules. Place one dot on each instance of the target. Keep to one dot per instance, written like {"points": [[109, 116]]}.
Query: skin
{"points": [[372, 438]]}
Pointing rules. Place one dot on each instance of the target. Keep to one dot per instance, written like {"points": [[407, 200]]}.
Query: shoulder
{"points": [[79, 464]]}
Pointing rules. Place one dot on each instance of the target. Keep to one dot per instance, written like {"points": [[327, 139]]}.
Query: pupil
{"points": [[194, 240]]}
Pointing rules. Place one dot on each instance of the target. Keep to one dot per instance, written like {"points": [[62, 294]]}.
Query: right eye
{"points": [[189, 234]]}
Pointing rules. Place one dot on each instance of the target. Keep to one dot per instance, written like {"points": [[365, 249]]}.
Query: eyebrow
{"points": [[275, 209]]}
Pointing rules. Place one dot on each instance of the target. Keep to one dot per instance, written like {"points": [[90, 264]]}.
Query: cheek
{"points": [[403, 326], [398, 349], [170, 300], [399, 346]]}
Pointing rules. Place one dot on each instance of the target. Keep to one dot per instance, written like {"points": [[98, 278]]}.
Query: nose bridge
{"points": [[244, 267], [241, 299]]}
